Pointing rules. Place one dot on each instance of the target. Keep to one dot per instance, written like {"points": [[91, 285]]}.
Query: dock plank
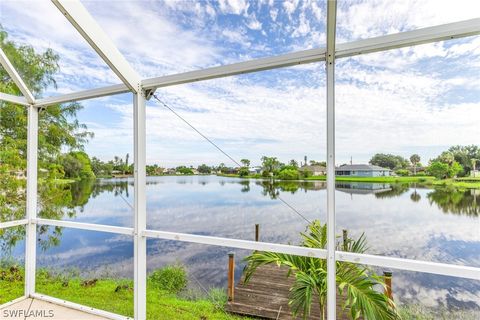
{"points": [[266, 296]]}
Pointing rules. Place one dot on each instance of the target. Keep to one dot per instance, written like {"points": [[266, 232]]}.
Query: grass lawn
{"points": [[464, 183], [116, 295]]}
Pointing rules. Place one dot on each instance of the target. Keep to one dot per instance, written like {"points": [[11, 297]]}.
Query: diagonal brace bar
{"points": [[5, 62], [81, 19]]}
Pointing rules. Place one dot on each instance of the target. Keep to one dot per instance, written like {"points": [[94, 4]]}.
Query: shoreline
{"points": [[463, 183]]}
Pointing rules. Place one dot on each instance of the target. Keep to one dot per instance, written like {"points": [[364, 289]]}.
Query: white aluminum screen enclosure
{"points": [[80, 18]]}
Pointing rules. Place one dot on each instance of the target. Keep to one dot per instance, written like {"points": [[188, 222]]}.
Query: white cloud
{"points": [[233, 6], [290, 6], [253, 23], [156, 47], [362, 19], [274, 14], [236, 36], [303, 27], [317, 11]]}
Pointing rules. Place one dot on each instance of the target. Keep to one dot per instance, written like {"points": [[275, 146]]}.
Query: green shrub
{"points": [[243, 172], [306, 173], [288, 174], [171, 278], [403, 172]]}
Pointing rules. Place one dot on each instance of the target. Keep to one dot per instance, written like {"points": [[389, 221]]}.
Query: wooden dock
{"points": [[266, 296]]}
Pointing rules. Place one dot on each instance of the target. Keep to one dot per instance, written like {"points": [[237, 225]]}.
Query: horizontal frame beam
{"points": [[442, 32], [367, 259], [285, 60], [85, 226], [83, 95], [10, 224], [12, 72], [237, 243], [79, 307], [393, 41], [411, 265], [388, 42], [14, 99]]}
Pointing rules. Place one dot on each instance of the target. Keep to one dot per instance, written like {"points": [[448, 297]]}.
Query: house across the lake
{"points": [[362, 170], [255, 170]]}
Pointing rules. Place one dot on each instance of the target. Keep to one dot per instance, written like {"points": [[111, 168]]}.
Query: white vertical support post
{"points": [[31, 207], [330, 62], [140, 241]]}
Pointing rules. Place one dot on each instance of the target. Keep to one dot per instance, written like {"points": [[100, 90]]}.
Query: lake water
{"points": [[398, 220]]}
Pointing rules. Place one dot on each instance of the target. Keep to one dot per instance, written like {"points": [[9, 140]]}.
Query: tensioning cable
{"points": [[222, 151]]}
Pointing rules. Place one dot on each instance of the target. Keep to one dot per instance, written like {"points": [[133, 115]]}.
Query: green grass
{"points": [[59, 181], [11, 282], [458, 183], [102, 295], [188, 305], [64, 181]]}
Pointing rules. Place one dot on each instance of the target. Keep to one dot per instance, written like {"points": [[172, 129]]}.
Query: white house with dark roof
{"points": [[362, 170]]}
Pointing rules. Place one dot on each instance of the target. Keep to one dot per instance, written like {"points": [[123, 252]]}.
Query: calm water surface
{"points": [[398, 220]]}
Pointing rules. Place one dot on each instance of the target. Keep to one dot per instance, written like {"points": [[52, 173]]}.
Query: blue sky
{"points": [[420, 99]]}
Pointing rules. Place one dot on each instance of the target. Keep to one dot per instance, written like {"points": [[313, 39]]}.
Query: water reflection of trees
{"points": [[273, 188], [84, 190], [461, 202], [395, 191], [415, 196], [59, 201], [53, 203]]}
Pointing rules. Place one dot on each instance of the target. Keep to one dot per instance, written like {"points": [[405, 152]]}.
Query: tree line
{"points": [[455, 161]]}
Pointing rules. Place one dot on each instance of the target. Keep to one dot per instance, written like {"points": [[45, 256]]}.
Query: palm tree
{"points": [[415, 159], [356, 281]]}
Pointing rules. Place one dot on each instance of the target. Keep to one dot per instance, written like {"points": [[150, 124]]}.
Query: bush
{"points": [[438, 169], [288, 174], [306, 173], [442, 170], [403, 172], [243, 172], [172, 279]]}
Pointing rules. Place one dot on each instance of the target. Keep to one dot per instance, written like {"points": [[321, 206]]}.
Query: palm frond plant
{"points": [[356, 283]]}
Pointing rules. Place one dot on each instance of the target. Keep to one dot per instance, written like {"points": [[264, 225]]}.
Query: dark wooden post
{"points": [[257, 232], [231, 276], [388, 284], [345, 239]]}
